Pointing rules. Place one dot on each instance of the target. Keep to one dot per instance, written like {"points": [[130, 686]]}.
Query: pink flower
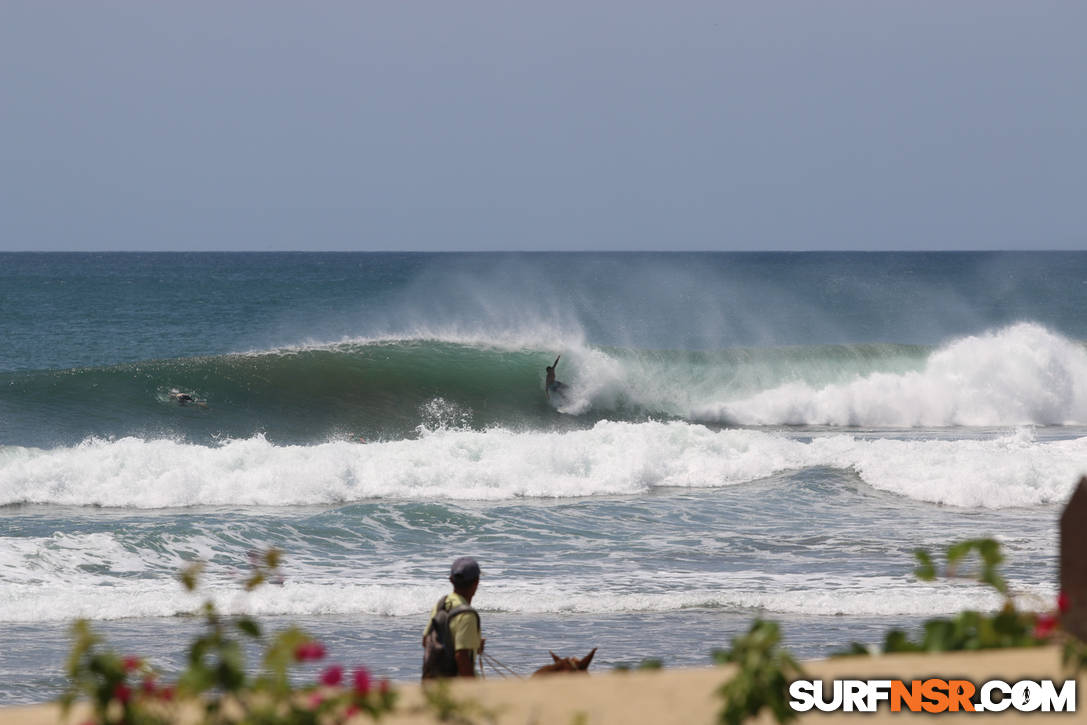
{"points": [[131, 663], [309, 652], [362, 681], [148, 685], [332, 676], [1044, 626], [121, 693], [351, 711], [1062, 602], [315, 700], [166, 694], [383, 687]]}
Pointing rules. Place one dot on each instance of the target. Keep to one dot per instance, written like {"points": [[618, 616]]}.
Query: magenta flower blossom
{"points": [[309, 652], [362, 681], [1044, 626], [332, 676]]}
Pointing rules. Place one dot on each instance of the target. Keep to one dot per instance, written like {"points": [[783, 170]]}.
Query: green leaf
{"points": [[990, 577], [273, 557], [230, 674], [195, 680], [925, 570], [897, 641], [854, 649], [279, 657], [248, 626], [190, 575], [989, 549], [761, 678], [955, 554]]}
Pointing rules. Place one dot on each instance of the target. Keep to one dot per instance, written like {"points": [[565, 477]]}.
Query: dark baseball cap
{"points": [[465, 570]]}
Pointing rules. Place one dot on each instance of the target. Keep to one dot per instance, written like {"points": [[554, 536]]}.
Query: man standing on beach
{"points": [[463, 621]]}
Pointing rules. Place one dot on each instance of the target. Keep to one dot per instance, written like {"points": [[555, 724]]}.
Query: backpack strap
{"points": [[452, 613], [461, 610], [465, 609]]}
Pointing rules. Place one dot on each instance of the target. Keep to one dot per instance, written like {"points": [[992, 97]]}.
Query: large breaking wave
{"points": [[391, 389]]}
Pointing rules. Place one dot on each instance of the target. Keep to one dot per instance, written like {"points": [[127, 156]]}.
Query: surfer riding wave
{"points": [[551, 385]]}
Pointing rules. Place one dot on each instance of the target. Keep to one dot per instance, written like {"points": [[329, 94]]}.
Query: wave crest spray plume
{"points": [[1023, 374]]}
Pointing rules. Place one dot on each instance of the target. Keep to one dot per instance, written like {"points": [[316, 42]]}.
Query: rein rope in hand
{"points": [[497, 666]]}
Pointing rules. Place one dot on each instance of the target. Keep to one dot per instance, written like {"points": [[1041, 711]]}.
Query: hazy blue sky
{"points": [[947, 124]]}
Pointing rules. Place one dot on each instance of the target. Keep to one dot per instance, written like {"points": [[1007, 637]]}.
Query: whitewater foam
{"points": [[795, 595], [610, 459], [1020, 375]]}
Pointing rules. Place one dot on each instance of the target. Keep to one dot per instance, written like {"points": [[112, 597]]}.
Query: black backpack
{"points": [[439, 658]]}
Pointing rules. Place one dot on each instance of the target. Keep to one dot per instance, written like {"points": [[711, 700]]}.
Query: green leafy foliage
{"points": [[216, 680], [988, 550], [109, 680], [1075, 655], [968, 630], [764, 671], [926, 570]]}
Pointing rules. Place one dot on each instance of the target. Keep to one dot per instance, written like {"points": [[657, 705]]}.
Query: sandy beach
{"points": [[685, 695]]}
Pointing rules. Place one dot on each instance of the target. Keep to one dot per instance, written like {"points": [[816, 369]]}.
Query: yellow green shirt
{"points": [[464, 627]]}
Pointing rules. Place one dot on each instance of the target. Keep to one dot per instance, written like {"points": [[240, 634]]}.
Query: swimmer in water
{"points": [[184, 398]]}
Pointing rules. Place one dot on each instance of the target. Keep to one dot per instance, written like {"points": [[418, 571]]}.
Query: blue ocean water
{"points": [[745, 435]]}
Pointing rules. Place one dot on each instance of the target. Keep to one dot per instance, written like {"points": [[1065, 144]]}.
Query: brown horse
{"points": [[566, 664]]}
